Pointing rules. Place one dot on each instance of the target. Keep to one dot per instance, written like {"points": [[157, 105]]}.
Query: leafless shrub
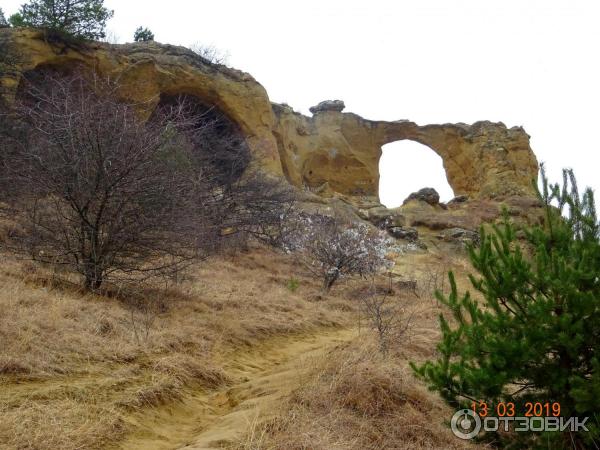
{"points": [[3, 22], [111, 38], [210, 53], [432, 281], [409, 285], [248, 202], [264, 208], [331, 248], [386, 315], [95, 189], [143, 313]]}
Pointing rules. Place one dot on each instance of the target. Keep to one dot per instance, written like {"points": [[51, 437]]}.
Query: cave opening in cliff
{"points": [[407, 166], [223, 145]]}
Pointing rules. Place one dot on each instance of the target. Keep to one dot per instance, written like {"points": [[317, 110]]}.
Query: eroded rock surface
{"points": [[427, 195], [148, 70], [332, 154]]}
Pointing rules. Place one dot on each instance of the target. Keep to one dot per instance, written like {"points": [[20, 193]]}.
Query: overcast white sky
{"points": [[522, 62]]}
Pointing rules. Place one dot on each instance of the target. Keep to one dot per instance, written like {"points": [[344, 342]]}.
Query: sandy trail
{"points": [[263, 375]]}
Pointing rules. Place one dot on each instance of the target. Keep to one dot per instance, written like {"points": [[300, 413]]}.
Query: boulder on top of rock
{"points": [[427, 195], [328, 105]]}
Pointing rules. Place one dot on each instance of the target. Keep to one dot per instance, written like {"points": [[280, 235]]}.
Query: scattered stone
{"points": [[427, 195], [460, 235], [458, 199], [382, 217], [328, 105], [409, 234]]}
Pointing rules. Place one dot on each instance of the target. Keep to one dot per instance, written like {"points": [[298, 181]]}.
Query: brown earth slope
{"points": [[221, 354]]}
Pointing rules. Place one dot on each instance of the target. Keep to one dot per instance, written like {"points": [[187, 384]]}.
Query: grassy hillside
{"points": [[221, 349]]}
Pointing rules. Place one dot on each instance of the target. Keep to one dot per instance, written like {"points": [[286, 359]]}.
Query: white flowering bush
{"points": [[331, 248]]}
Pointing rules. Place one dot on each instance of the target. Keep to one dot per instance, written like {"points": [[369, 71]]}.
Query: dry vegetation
{"points": [[82, 370], [355, 397], [71, 365]]}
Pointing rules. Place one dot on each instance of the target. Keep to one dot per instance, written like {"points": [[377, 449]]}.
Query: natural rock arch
{"points": [[226, 137], [223, 143], [485, 159], [334, 152]]}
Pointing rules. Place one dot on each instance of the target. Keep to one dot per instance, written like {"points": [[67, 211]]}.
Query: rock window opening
{"points": [[406, 167]]}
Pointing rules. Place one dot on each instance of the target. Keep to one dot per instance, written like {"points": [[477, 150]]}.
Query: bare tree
{"points": [[210, 53], [248, 201], [94, 188], [387, 316], [332, 248], [263, 207], [3, 22]]}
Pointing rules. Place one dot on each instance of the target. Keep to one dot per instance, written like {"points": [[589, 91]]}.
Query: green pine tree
{"points": [[16, 20], [143, 35], [85, 19], [533, 333], [3, 22]]}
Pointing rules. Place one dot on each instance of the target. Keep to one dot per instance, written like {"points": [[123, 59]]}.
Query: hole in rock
{"points": [[220, 138], [406, 167]]}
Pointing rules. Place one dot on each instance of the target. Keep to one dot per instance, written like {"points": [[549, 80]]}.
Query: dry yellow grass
{"points": [[355, 399], [84, 371], [72, 368]]}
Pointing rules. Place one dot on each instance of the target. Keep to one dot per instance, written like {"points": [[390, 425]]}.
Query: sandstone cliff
{"points": [[149, 70], [339, 152], [331, 153]]}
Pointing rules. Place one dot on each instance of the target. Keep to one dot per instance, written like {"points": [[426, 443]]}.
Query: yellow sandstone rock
{"points": [[147, 70], [342, 151], [331, 153]]}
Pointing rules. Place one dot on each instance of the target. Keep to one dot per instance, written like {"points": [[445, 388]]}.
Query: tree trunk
{"points": [[93, 278], [329, 281]]}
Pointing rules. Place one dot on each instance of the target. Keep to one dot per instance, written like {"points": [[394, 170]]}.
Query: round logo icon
{"points": [[465, 424]]}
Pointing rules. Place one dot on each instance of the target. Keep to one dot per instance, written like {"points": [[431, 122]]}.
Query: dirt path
{"points": [[211, 420]]}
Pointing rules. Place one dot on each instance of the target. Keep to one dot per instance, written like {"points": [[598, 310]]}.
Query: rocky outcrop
{"points": [[427, 195], [328, 105], [458, 199], [407, 233], [148, 70], [460, 235], [339, 153], [332, 154]]}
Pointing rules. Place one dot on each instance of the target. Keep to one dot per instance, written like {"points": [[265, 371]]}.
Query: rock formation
{"points": [[328, 105], [332, 153], [427, 195], [148, 70], [339, 153]]}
